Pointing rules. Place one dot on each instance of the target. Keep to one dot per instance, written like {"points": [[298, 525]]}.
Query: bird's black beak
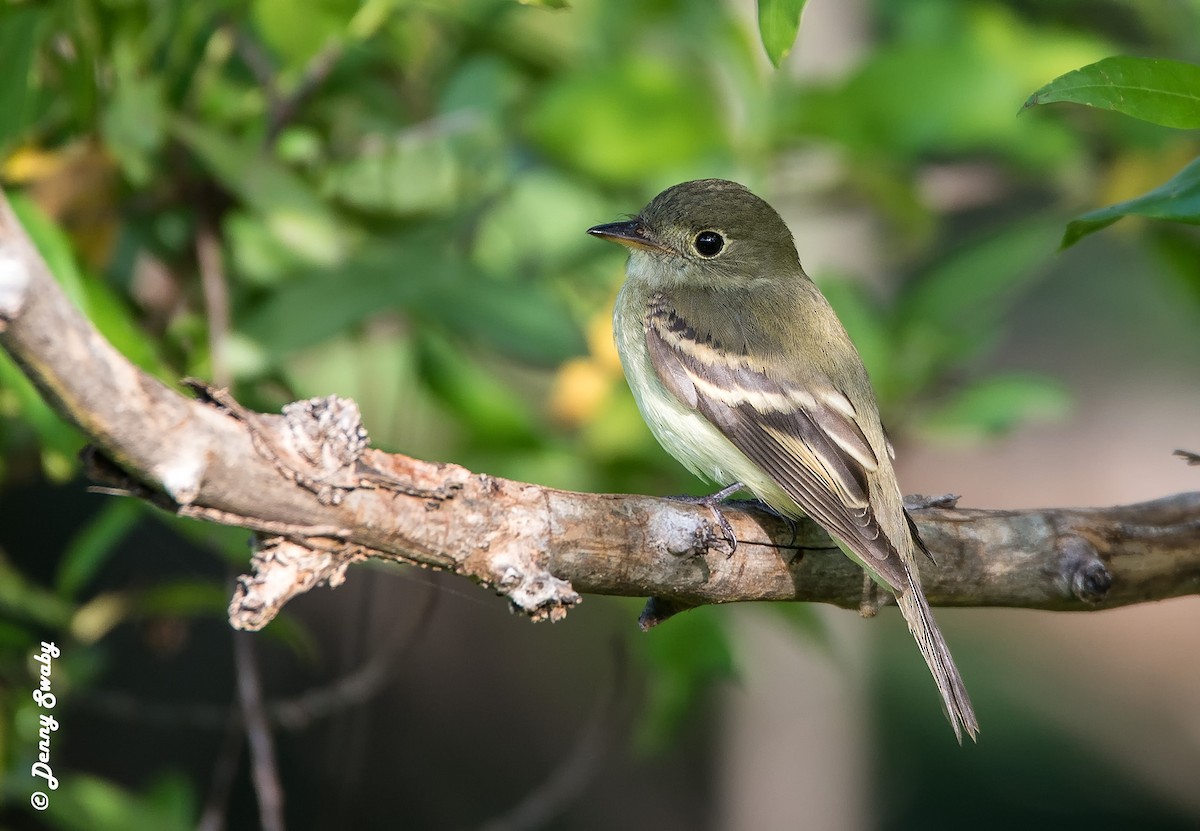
{"points": [[631, 234]]}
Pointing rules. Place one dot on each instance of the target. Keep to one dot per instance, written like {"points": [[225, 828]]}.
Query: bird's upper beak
{"points": [[631, 234]]}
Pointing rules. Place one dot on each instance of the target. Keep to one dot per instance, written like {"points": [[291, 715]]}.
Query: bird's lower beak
{"points": [[631, 234]]}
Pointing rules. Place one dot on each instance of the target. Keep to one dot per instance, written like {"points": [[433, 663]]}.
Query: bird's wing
{"points": [[808, 440]]}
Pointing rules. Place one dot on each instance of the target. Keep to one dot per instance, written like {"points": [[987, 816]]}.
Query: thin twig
{"points": [[364, 683], [345, 737], [263, 770], [216, 301], [295, 712], [283, 109], [212, 818]]}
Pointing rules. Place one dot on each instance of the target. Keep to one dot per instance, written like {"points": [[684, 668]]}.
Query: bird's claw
{"points": [[713, 502], [917, 501], [871, 602]]}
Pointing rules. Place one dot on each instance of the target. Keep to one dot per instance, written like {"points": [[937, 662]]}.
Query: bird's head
{"points": [[706, 233]]}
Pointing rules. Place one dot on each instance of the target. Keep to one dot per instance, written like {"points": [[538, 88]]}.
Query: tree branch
{"points": [[321, 499]]}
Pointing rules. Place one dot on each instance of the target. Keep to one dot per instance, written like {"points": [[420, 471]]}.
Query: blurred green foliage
{"points": [[399, 192], [89, 803]]}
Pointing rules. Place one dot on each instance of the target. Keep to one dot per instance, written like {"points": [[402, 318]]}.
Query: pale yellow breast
{"points": [[683, 432]]}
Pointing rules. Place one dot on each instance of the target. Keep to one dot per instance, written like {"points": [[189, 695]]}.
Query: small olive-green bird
{"points": [[744, 373]]}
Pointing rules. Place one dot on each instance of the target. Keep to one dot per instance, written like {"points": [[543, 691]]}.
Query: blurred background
{"points": [[387, 200]]}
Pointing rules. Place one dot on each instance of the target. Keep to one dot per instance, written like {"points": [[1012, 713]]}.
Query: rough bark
{"points": [[320, 498]]}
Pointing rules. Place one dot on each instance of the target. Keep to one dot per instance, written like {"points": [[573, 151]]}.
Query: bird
{"points": [[744, 373]]}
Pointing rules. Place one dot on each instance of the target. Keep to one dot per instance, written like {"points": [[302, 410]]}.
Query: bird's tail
{"points": [[933, 648]]}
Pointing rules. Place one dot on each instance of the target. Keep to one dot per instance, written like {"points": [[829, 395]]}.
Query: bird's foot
{"points": [[917, 501], [1188, 456], [793, 526], [713, 502], [871, 601]]}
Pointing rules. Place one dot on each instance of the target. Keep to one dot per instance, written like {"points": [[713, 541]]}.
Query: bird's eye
{"points": [[708, 243]]}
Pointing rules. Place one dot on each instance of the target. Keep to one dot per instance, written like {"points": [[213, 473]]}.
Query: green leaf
{"points": [[976, 282], [1160, 91], [24, 600], [133, 121], [414, 172], [19, 28], [429, 168], [418, 273], [103, 306], [89, 803], [93, 544], [377, 368], [954, 312], [257, 255], [1177, 200], [184, 598], [289, 206], [54, 247], [297, 37], [949, 93], [491, 408], [534, 226], [59, 441], [483, 84], [113, 317], [655, 127], [778, 23], [994, 406]]}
